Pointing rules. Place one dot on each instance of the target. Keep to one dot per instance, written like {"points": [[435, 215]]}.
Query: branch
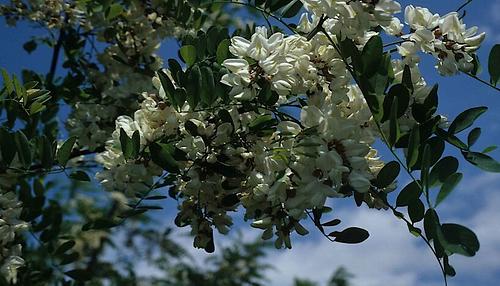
{"points": [[481, 81], [55, 57]]}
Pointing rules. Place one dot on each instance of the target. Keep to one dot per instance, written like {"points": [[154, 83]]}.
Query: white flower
{"points": [[420, 18]]}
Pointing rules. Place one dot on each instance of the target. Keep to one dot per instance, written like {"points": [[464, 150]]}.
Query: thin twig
{"points": [[481, 81]]}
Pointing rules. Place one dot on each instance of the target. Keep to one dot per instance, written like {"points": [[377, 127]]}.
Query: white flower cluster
{"points": [[281, 157], [445, 37], [136, 39], [10, 226]]}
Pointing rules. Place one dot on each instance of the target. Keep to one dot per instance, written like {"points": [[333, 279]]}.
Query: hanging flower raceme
{"points": [[10, 227]]}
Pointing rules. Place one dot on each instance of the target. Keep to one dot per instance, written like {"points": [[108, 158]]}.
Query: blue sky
{"points": [[391, 256]]}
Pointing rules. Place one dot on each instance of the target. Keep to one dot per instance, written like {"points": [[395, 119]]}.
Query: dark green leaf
{"points": [[156, 198], [208, 86], [473, 136], [64, 247], [7, 81], [387, 174], [350, 235], [168, 87], [424, 111], [371, 56], [30, 46], [162, 155], [80, 176], [408, 194], [394, 132], [7, 146], [291, 9], [46, 152], [482, 161], [406, 80], [459, 239], [466, 119], [431, 224], [448, 186], [223, 51], [79, 274], [333, 222], [230, 200], [443, 169], [416, 210], [23, 149], [69, 258], [195, 83], [64, 152], [494, 64], [413, 147]]}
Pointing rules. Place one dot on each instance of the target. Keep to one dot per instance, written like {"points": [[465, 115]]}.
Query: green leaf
{"points": [[145, 207], [394, 131], [431, 224], [113, 11], [7, 81], [482, 161], [8, 146], [188, 54], [350, 235], [443, 169], [79, 274], [69, 258], [466, 119], [452, 139], [406, 79], [459, 239], [23, 149], [162, 155], [154, 198], [494, 64], [64, 152], [425, 166], [291, 9], [332, 222], [65, 247], [168, 87], [30, 46], [130, 146], [413, 147], [230, 200], [416, 210], [46, 152], [424, 111], [473, 136], [100, 223], [225, 170], [223, 50], [80, 176], [208, 86], [401, 93], [194, 86], [371, 56], [387, 174], [448, 186], [408, 194], [489, 149]]}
